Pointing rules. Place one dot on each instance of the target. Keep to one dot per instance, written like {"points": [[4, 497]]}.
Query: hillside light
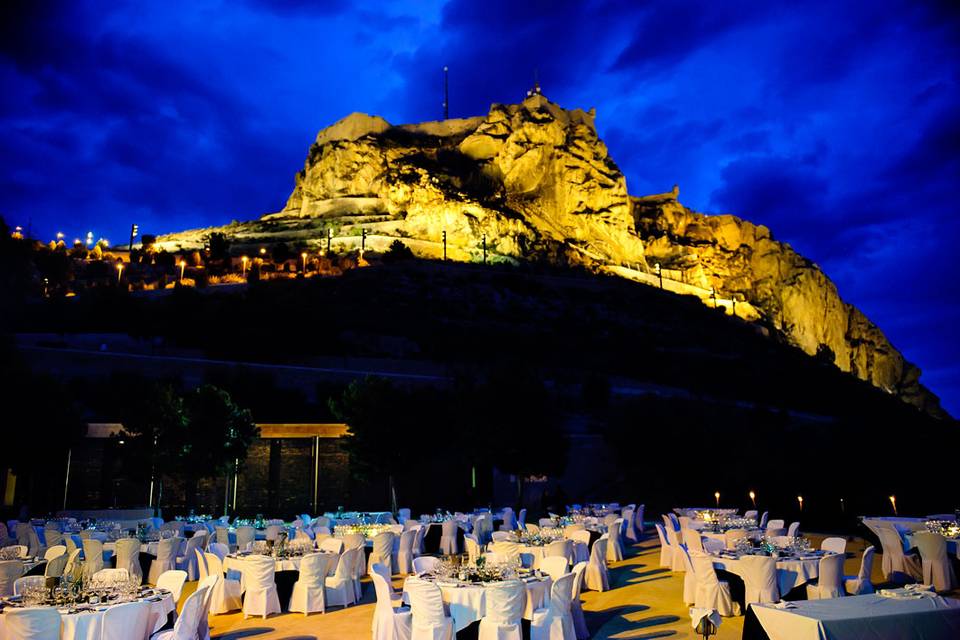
{"points": [[659, 273], [263, 251], [753, 499], [89, 238], [800, 500], [119, 271], [716, 495], [183, 265], [59, 235], [303, 256], [243, 262], [893, 503]]}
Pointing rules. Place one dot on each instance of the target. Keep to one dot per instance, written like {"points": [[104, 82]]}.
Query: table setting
{"points": [[463, 587], [797, 562]]}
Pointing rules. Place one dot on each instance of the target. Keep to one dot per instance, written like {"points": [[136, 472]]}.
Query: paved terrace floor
{"points": [[644, 601]]}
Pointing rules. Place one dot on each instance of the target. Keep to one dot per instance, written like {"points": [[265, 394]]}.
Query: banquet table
{"points": [[466, 603], [87, 625], [868, 617], [753, 534], [791, 572]]}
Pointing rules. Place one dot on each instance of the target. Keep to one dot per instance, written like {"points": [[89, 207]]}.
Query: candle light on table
{"points": [[753, 499], [893, 503], [800, 500], [716, 495]]}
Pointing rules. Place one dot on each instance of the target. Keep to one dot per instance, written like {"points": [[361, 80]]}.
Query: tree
{"points": [[219, 246]]}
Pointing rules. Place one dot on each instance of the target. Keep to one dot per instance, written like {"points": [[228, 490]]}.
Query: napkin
{"points": [[783, 604], [699, 613], [919, 587]]}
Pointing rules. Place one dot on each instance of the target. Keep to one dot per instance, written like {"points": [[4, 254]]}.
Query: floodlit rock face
{"points": [[534, 182], [740, 258]]}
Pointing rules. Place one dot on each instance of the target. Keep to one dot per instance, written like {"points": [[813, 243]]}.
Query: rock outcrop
{"points": [[533, 181]]}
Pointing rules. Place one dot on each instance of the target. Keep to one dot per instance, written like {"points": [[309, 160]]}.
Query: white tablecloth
{"points": [[870, 617], [790, 573], [88, 625], [467, 604]]}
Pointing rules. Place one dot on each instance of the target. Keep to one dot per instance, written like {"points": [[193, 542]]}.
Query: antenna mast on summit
{"points": [[446, 95]]}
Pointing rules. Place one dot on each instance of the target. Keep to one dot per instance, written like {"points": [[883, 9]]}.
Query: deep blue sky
{"points": [[835, 124]]}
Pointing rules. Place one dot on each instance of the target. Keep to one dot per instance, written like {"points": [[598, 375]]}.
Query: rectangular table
{"points": [[856, 617]]}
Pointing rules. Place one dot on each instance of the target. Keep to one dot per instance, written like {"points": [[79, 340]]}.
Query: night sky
{"points": [[835, 124]]}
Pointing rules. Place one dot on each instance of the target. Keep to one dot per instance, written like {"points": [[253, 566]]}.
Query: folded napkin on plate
{"points": [[919, 587], [783, 604]]}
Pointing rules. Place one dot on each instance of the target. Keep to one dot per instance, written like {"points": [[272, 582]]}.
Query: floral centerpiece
{"points": [[366, 530], [946, 528]]}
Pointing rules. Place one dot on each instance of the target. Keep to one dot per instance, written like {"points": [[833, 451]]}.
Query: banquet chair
{"points": [[562, 548], [692, 540], [522, 519], [793, 529], [629, 532], [10, 570], [672, 519], [472, 547], [260, 591], [775, 524], [354, 541], [684, 523], [750, 515], [666, 551], [126, 621], [112, 575], [403, 514], [596, 576], [638, 520], [448, 540], [898, 566], [829, 582], [759, 579], [382, 551], [418, 539], [505, 604], [202, 568], [218, 549], [128, 556], [554, 566], [428, 620], [555, 621], [384, 572], [860, 584], [609, 522], [166, 558], [245, 537], [403, 558], [203, 624], [510, 551], [188, 561], [689, 579], [23, 551], [576, 607], [273, 531], [937, 569], [225, 594], [676, 561], [614, 546], [55, 566], [222, 536], [339, 587], [73, 543], [763, 520], [73, 559], [580, 540], [502, 536], [426, 564], [188, 625], [711, 592], [308, 591], [172, 581], [834, 545], [52, 538], [27, 582], [410, 523], [40, 623], [54, 551], [509, 519], [92, 557], [27, 535], [389, 623], [332, 545]]}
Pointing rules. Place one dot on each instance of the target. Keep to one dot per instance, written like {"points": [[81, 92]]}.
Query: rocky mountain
{"points": [[533, 181]]}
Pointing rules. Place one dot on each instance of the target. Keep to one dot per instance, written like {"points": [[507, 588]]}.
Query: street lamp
{"points": [[243, 261], [263, 251], [800, 500], [753, 499], [119, 271], [304, 257], [716, 495]]}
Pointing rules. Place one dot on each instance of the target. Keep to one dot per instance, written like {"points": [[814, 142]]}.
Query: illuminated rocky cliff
{"points": [[533, 181]]}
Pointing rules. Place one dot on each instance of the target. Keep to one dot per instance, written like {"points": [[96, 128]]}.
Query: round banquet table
{"points": [[87, 625], [287, 572], [791, 572], [467, 604], [753, 534]]}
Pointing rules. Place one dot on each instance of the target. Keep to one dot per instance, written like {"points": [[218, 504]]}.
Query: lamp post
{"points": [[119, 271]]}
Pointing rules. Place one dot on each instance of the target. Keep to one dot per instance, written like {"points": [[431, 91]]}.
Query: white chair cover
{"points": [[354, 541], [834, 545], [676, 560], [188, 561], [339, 587], [554, 566], [563, 548], [10, 570], [190, 622], [388, 623], [629, 532], [334, 545], [759, 579], [509, 519], [580, 540], [502, 536], [308, 591], [428, 621], [896, 565], [793, 529], [691, 537], [775, 524], [27, 535], [52, 538], [448, 543], [26, 582], [750, 514], [56, 566], [689, 579], [614, 546], [638, 519], [40, 623], [418, 540], [555, 622], [225, 594], [260, 591], [128, 556], [505, 604], [218, 549], [596, 576], [166, 558], [127, 621], [731, 536], [666, 551], [403, 559], [92, 557], [245, 536], [425, 564], [72, 543], [223, 537], [936, 566], [472, 547], [711, 592], [763, 520], [860, 584], [576, 608], [829, 583], [273, 531], [72, 560], [172, 581], [382, 550]]}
